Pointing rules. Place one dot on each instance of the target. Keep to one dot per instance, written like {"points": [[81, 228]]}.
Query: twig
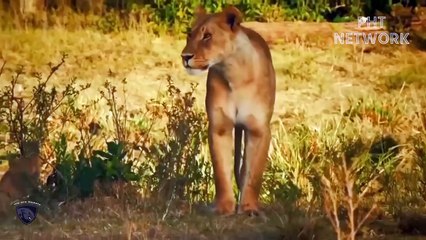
{"points": [[365, 218], [52, 71], [169, 204], [2, 68]]}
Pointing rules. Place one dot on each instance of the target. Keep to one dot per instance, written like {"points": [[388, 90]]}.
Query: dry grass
{"points": [[314, 88], [117, 219], [309, 80]]}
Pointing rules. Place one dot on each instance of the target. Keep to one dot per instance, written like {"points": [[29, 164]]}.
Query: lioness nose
{"points": [[187, 56]]}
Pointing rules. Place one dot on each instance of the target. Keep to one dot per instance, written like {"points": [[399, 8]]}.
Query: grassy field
{"points": [[331, 101]]}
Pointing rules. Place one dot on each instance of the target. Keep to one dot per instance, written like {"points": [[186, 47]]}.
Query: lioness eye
{"points": [[207, 36]]}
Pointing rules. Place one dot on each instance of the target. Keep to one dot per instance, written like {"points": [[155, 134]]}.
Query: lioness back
{"points": [[258, 41]]}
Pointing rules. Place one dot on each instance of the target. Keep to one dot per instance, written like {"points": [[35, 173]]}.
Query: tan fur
{"points": [[240, 96], [21, 177]]}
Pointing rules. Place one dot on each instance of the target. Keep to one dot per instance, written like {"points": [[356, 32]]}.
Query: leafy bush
{"points": [[180, 165], [29, 120], [177, 159]]}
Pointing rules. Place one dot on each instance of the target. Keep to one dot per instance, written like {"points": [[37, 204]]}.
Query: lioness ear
{"points": [[233, 16], [200, 11]]}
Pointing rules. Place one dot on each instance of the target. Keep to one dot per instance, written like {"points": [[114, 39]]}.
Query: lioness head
{"points": [[210, 40]]}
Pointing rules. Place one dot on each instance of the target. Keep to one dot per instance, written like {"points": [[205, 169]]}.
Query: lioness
{"points": [[22, 176], [240, 96]]}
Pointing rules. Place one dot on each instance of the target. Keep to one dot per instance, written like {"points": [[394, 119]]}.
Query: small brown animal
{"points": [[21, 177], [240, 97]]}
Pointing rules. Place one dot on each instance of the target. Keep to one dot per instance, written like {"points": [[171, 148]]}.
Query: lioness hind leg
{"points": [[258, 139], [220, 141]]}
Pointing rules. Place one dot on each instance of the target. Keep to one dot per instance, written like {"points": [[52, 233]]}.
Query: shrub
{"points": [[180, 166]]}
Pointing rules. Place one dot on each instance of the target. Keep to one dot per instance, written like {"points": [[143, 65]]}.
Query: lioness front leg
{"points": [[221, 142], [256, 154]]}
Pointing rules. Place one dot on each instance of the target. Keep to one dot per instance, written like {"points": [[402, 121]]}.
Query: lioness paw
{"points": [[224, 208], [249, 209]]}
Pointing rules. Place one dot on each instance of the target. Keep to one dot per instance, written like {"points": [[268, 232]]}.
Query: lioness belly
{"points": [[241, 112], [248, 110]]}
